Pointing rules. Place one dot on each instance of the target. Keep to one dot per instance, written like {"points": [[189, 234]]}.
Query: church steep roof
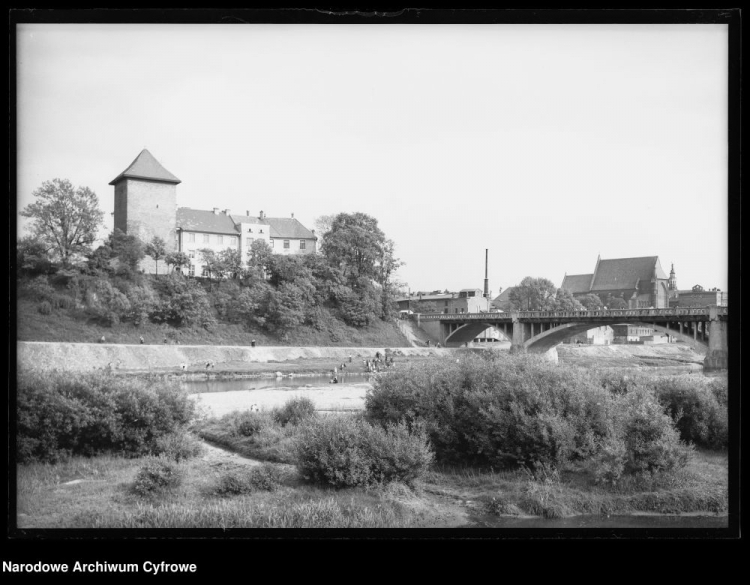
{"points": [[288, 227], [576, 283], [197, 220], [624, 273], [145, 166]]}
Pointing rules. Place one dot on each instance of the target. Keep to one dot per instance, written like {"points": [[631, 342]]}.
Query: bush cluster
{"points": [[697, 406], [236, 482], [345, 451], [525, 411], [178, 446], [156, 476], [67, 413], [294, 411], [698, 409]]}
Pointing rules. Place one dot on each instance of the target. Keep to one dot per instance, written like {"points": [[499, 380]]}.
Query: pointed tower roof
{"points": [[145, 166]]}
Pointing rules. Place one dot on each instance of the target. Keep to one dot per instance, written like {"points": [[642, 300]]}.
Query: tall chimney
{"points": [[261, 216], [486, 280], [216, 211], [248, 213], [292, 215]]}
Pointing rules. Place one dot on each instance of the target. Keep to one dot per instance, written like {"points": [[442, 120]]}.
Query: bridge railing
{"points": [[610, 313]]}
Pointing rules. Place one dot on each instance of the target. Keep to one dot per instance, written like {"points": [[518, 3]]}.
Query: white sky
{"points": [[546, 144]]}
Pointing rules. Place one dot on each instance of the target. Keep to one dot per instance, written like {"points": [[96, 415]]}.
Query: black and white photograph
{"points": [[419, 275]]}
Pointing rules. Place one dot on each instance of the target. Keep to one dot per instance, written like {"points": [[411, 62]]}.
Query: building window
{"points": [[192, 270], [273, 243], [205, 272], [191, 238], [261, 231], [206, 239], [286, 244], [220, 240], [302, 244], [249, 242], [191, 254]]}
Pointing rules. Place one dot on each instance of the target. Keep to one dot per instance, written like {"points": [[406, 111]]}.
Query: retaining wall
{"points": [[92, 356]]}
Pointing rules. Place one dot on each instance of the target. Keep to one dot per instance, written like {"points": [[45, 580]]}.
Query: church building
{"points": [[641, 282]]}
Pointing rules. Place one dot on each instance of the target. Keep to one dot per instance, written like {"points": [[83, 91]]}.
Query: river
{"points": [[219, 397]]}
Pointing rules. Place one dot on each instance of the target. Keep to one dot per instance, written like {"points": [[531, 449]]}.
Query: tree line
{"points": [[352, 279]]}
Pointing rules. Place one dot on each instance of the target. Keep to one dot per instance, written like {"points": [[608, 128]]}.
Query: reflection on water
{"points": [[204, 386], [647, 521]]}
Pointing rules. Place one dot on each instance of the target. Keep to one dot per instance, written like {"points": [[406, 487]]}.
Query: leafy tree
{"points": [[259, 257], [322, 226], [533, 294], [64, 219], [157, 249], [230, 262], [591, 301], [354, 244], [127, 248], [565, 301], [358, 247], [177, 260], [212, 262], [612, 302], [182, 302], [99, 259], [32, 257]]}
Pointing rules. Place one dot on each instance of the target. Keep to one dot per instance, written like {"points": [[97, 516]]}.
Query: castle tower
{"points": [[146, 203]]}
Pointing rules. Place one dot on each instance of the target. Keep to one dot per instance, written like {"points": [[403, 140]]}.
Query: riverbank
{"points": [[163, 359], [243, 361]]}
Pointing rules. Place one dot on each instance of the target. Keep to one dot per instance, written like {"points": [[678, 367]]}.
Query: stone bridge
{"points": [[705, 329]]}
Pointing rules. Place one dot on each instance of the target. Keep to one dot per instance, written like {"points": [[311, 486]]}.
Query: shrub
{"points": [[498, 409], [248, 423], [345, 451], [37, 289], [696, 409], [178, 446], [265, 477], [61, 301], [45, 308], [156, 476], [90, 413], [651, 441], [294, 411]]}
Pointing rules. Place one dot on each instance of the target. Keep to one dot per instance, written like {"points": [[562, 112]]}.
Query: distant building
{"points": [[698, 297], [597, 336], [146, 206], [467, 300], [630, 333], [640, 282]]}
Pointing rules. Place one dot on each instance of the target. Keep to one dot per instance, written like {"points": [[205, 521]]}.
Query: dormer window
{"points": [[261, 231]]}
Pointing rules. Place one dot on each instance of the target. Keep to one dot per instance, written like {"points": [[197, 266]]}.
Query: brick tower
{"points": [[146, 203]]}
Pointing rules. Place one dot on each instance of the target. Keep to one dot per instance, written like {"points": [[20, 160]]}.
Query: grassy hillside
{"points": [[74, 326]]}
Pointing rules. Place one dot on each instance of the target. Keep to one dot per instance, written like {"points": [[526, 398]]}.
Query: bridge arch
{"points": [[470, 331], [546, 340]]}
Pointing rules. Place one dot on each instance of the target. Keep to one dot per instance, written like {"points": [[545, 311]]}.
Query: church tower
{"points": [[146, 203], [672, 279]]}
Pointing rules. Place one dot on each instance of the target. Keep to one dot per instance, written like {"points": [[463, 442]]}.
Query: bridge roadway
{"points": [[539, 331]]}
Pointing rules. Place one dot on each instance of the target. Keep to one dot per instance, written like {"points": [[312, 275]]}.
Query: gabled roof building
{"points": [[640, 282], [146, 206]]}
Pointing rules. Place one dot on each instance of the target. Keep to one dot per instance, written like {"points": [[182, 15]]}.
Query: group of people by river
{"points": [[377, 364]]}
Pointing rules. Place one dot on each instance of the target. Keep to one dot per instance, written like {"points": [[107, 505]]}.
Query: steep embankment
{"points": [[144, 358]]}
